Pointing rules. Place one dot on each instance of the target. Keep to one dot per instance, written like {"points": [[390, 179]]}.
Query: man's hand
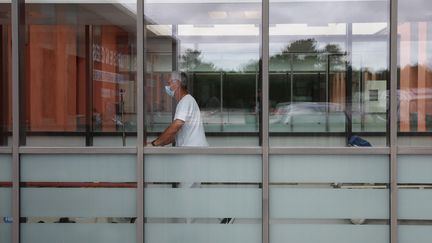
{"points": [[168, 136]]}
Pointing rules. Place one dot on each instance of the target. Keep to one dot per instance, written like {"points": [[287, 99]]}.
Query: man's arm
{"points": [[168, 136]]}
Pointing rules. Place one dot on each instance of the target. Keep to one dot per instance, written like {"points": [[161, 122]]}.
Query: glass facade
{"points": [[5, 198], [5, 122], [414, 87], [414, 192], [96, 206], [80, 80], [202, 198], [328, 75], [414, 119], [328, 198], [218, 46], [317, 116]]}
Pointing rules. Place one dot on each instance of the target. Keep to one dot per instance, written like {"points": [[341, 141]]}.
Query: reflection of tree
{"points": [[251, 66], [192, 61], [301, 52], [297, 52], [336, 60]]}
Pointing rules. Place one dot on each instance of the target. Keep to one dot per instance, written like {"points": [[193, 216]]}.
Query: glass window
{"points": [[414, 183], [5, 73], [81, 198], [217, 45], [80, 76], [328, 66], [329, 198], [415, 76], [5, 198], [203, 198]]}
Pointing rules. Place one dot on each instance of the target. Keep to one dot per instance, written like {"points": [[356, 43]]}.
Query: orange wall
{"points": [[57, 81], [52, 78], [415, 77]]}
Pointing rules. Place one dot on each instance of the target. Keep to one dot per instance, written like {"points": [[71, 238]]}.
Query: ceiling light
{"points": [[218, 14], [252, 14], [161, 30]]}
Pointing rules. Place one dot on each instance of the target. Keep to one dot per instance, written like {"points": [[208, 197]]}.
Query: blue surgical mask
{"points": [[169, 91]]}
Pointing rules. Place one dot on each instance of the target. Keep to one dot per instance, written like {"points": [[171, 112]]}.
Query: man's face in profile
{"points": [[174, 84]]}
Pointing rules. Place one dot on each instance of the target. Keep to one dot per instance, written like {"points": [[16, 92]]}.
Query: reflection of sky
{"points": [[414, 57], [323, 12], [227, 56], [227, 31], [371, 55], [233, 56]]}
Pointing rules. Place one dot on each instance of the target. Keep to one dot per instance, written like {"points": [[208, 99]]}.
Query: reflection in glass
{"points": [[414, 184], [328, 74], [217, 45], [82, 198], [5, 73], [202, 198], [80, 80], [5, 198], [415, 87], [329, 198]]}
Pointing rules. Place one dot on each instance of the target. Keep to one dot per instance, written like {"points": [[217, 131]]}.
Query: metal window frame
{"points": [[265, 56], [6, 150], [15, 149], [140, 121], [18, 20], [393, 20]]}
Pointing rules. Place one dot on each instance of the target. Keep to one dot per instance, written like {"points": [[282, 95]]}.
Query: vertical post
{"points": [[348, 84], [174, 66], [257, 98], [174, 48], [362, 109], [393, 121], [265, 42], [221, 102], [89, 82], [292, 89], [18, 35], [140, 121], [327, 87], [4, 85]]}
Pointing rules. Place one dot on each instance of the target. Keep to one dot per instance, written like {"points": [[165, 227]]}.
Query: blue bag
{"points": [[357, 141]]}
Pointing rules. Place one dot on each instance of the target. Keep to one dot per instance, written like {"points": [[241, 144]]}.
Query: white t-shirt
{"points": [[192, 131]]}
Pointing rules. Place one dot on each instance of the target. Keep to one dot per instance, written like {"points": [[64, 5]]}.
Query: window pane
{"points": [[415, 76], [217, 45], [5, 198], [414, 211], [99, 204], [203, 198], [329, 198], [5, 73], [328, 65], [81, 74]]}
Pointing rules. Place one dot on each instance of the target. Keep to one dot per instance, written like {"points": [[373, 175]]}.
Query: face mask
{"points": [[169, 91]]}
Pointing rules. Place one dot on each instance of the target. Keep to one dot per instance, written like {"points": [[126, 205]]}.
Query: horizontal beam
{"points": [[199, 150], [414, 151], [330, 151], [78, 150], [216, 150], [6, 150]]}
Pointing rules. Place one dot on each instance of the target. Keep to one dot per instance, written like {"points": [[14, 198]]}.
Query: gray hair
{"points": [[181, 76]]}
